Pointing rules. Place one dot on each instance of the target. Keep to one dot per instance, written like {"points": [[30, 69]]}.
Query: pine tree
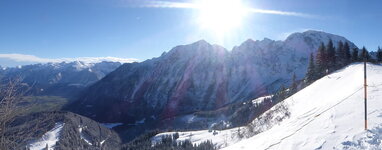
{"points": [[347, 53], [355, 55], [340, 54], [331, 56], [364, 55], [294, 83], [280, 94], [321, 61], [311, 72], [379, 54]]}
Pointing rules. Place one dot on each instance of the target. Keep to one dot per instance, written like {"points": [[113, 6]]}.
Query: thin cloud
{"points": [[284, 13], [169, 4], [156, 4], [166, 4], [35, 59]]}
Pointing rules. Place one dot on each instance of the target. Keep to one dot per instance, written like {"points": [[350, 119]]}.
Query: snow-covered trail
{"points": [[329, 114]]}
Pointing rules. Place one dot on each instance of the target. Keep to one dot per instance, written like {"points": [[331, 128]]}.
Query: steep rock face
{"points": [[198, 77], [174, 83], [61, 79]]}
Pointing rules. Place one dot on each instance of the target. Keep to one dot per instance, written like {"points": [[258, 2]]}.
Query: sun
{"points": [[220, 16]]}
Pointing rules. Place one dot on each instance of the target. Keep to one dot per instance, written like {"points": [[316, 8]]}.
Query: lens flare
{"points": [[220, 16]]}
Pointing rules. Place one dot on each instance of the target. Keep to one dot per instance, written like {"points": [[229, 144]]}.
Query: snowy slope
{"points": [[328, 114], [221, 139], [224, 138], [49, 138]]}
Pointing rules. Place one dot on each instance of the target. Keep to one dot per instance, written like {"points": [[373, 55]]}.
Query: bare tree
{"points": [[10, 94]]}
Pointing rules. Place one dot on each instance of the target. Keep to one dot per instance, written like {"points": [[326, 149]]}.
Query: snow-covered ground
{"points": [[111, 125], [329, 114], [222, 138], [261, 99], [84, 136], [49, 138]]}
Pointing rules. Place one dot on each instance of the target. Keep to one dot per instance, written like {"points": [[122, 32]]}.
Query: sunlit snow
{"points": [[329, 114], [49, 138]]}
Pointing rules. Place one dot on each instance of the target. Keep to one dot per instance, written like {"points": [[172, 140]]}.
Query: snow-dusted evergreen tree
{"points": [[311, 72], [321, 61], [354, 56]]}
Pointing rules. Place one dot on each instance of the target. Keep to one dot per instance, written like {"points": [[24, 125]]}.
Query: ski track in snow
{"points": [[311, 120]]}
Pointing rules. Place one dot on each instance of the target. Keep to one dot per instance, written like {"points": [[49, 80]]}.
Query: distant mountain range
{"points": [[199, 77], [64, 79], [16, 60]]}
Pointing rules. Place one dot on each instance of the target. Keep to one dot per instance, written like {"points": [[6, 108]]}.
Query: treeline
{"points": [[330, 58], [167, 142]]}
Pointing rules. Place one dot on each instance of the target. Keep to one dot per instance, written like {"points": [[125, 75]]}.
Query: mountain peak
{"points": [[314, 31], [316, 37], [249, 40], [201, 42], [201, 47], [267, 39], [316, 34]]}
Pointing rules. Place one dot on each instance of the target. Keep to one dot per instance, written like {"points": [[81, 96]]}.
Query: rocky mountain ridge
{"points": [[198, 77]]}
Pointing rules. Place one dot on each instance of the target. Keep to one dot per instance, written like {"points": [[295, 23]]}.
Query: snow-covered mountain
{"points": [[198, 77], [328, 114], [62, 79], [14, 60]]}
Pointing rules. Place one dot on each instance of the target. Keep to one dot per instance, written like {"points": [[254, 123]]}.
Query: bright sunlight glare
{"points": [[220, 16]]}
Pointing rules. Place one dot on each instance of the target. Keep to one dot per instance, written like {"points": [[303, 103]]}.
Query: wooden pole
{"points": [[365, 87]]}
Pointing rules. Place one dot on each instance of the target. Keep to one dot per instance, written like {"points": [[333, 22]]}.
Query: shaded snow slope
{"points": [[329, 114]]}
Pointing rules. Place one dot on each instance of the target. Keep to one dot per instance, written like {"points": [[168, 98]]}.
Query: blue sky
{"points": [[127, 29]]}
